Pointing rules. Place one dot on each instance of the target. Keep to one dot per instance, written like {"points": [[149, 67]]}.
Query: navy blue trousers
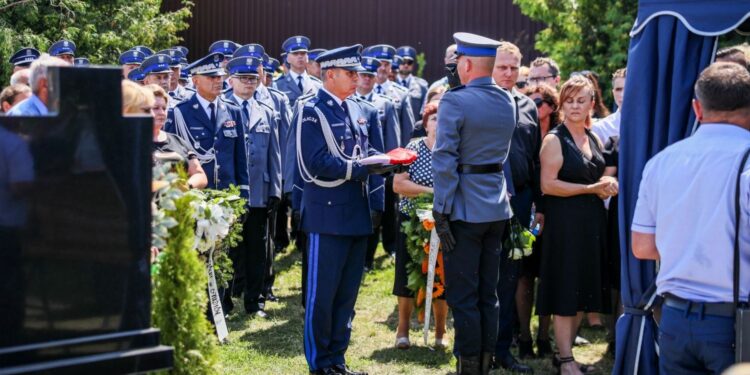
{"points": [[335, 267], [694, 344], [471, 273]]}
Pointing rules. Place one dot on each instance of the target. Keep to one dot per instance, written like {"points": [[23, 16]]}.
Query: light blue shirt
{"points": [[686, 199], [31, 106], [16, 166]]}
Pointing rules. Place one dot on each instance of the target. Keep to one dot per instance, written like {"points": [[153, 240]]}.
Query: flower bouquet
{"points": [[520, 241]]}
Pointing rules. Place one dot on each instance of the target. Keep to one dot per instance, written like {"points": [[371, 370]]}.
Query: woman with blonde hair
{"points": [[574, 238]]}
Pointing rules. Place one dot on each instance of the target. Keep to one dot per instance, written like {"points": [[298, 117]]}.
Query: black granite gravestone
{"points": [[75, 290]]}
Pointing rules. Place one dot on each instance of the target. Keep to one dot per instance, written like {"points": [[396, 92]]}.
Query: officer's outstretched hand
{"points": [[381, 169], [443, 229]]}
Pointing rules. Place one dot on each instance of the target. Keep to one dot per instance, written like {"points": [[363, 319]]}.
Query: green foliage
{"points": [[421, 63], [584, 34], [101, 29], [180, 299]]}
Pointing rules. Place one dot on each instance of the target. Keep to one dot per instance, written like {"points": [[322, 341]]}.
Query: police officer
{"points": [[471, 207], [264, 166], [390, 129], [332, 137], [136, 75], [130, 60], [144, 50], [23, 58], [175, 91], [81, 61], [270, 66], [226, 48], [63, 49], [405, 77], [296, 81], [313, 68], [399, 97], [158, 72]]}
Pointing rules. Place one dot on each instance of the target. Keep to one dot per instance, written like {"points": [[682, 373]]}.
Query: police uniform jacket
{"points": [[344, 209], [388, 120], [417, 88], [287, 85], [280, 103], [475, 127], [263, 155], [226, 137], [293, 182], [400, 97]]}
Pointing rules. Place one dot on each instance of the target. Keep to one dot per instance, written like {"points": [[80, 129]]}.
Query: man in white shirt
{"points": [[685, 218], [610, 125]]}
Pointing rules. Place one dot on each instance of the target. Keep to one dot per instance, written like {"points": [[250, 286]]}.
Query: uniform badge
{"points": [[196, 105], [361, 121], [330, 103], [229, 124], [299, 40]]}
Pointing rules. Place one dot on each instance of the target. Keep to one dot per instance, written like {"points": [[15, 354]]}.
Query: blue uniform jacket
{"points": [[292, 180], [475, 126], [263, 155], [344, 209], [417, 92], [287, 85], [399, 95], [375, 137], [230, 166], [388, 120]]}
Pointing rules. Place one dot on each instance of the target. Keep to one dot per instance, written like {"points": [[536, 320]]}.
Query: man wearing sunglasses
{"points": [[405, 77]]}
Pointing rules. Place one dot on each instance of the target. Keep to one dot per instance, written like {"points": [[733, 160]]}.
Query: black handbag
{"points": [[742, 316]]}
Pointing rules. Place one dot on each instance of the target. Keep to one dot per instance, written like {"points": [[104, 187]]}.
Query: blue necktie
{"points": [[299, 83], [379, 89], [245, 110], [212, 119]]}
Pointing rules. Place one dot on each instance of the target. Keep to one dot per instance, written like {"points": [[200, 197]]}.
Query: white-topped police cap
{"points": [[132, 57], [469, 44], [81, 61], [347, 58], [250, 50], [209, 65], [407, 52], [296, 43], [382, 52], [158, 63], [244, 66], [175, 54], [314, 53], [225, 47], [62, 47], [143, 49], [24, 56]]}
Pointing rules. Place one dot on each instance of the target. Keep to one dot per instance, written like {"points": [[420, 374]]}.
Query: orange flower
{"points": [[428, 225], [426, 247], [440, 269], [438, 290], [425, 264], [420, 316], [421, 296]]}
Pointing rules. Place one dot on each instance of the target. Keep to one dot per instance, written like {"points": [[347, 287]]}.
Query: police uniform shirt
{"points": [[296, 79], [686, 199], [205, 105]]}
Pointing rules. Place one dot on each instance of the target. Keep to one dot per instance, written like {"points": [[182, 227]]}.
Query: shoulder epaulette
{"points": [[311, 102], [264, 105], [384, 97], [314, 78], [229, 102], [399, 88], [363, 102]]}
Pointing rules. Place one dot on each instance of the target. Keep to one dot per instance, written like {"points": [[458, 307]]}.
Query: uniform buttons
{"points": [[329, 203], [215, 138]]}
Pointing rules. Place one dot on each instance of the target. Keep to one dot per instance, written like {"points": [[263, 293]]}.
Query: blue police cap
{"points": [[407, 52], [250, 50], [314, 53], [182, 49], [174, 54], [158, 63], [296, 43], [209, 65], [469, 44], [184, 74], [24, 56], [347, 58], [132, 57], [143, 49], [136, 75], [81, 61], [397, 60], [271, 65], [370, 64], [265, 58], [382, 52], [225, 47], [244, 66], [62, 47]]}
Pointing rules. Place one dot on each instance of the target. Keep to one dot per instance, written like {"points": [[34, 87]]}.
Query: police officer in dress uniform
{"points": [[333, 136], [391, 139], [405, 77], [214, 127], [158, 72], [471, 206], [270, 66], [176, 92], [296, 82], [226, 48], [63, 49], [313, 68], [130, 60], [23, 58], [264, 166]]}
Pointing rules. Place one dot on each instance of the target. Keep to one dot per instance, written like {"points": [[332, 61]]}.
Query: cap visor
{"points": [[215, 73], [356, 68]]}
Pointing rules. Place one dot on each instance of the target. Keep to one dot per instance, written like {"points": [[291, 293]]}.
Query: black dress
{"points": [[574, 238]]}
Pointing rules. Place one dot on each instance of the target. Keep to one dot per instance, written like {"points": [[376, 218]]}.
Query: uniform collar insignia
{"points": [[196, 105], [330, 103]]}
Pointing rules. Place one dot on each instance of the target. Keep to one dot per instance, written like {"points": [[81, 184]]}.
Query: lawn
{"points": [[274, 346]]}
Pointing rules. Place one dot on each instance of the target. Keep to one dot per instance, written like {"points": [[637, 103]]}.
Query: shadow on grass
{"points": [[285, 261], [416, 355]]}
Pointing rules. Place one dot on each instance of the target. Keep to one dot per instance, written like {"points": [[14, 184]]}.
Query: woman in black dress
{"points": [[574, 238]]}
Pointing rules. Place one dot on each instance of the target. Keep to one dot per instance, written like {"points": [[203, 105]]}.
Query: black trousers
{"points": [[249, 259], [281, 218], [471, 275], [269, 276], [389, 223]]}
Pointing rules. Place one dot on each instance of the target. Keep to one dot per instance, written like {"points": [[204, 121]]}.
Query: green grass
{"points": [[274, 346]]}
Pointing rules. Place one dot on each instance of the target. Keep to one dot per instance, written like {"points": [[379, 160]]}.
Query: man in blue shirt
{"points": [[685, 218], [37, 104]]}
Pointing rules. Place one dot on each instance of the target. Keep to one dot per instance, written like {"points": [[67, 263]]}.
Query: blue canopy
{"points": [[672, 42]]}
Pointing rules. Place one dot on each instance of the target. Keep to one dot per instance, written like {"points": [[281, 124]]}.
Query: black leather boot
{"points": [[468, 365]]}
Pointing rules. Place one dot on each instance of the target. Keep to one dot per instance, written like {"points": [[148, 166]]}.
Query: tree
{"points": [[584, 34], [101, 29]]}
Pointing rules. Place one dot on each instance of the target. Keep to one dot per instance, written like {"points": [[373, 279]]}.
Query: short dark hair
{"points": [[733, 54], [554, 69], [723, 87]]}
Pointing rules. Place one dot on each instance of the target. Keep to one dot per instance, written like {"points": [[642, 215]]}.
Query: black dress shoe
{"points": [[326, 371], [509, 363], [343, 370]]}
